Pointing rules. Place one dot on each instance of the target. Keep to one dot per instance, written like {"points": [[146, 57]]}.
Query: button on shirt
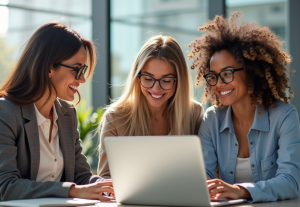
{"points": [[274, 145], [51, 157]]}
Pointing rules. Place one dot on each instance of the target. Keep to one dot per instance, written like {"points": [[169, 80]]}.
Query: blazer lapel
{"points": [[65, 125], [32, 134]]}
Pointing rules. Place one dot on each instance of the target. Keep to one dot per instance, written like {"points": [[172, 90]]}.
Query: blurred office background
{"points": [[120, 27]]}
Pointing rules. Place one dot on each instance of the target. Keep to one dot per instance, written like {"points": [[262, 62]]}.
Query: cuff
{"points": [[251, 189], [66, 187], [94, 179]]}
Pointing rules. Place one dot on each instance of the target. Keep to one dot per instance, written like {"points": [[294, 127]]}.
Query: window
{"points": [[21, 18], [132, 24]]}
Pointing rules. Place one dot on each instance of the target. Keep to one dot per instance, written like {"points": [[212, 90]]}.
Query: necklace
{"points": [[160, 129]]}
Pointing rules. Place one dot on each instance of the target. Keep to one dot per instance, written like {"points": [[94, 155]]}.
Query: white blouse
{"points": [[51, 157], [243, 173]]}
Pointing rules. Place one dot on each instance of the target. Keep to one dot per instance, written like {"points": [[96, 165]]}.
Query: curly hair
{"points": [[256, 48]]}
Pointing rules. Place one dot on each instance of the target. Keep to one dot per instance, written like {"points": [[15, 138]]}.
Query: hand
{"points": [[92, 191], [103, 180], [219, 189]]}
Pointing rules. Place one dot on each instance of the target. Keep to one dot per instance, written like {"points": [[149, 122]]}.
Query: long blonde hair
{"points": [[132, 105]]}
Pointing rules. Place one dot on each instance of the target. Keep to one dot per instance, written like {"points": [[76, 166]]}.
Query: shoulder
{"points": [[281, 110], [8, 107], [197, 107], [197, 111], [113, 118], [6, 103], [215, 112], [11, 115], [65, 105], [196, 116], [281, 107]]}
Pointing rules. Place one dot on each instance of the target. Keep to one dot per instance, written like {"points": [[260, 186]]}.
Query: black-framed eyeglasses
{"points": [[166, 83], [79, 71], [225, 75]]}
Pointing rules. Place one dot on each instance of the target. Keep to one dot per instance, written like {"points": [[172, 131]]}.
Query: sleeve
{"points": [[82, 174], [108, 130], [208, 149], [12, 186], [285, 184]]}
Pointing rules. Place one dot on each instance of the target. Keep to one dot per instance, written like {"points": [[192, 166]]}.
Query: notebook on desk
{"points": [[159, 170]]}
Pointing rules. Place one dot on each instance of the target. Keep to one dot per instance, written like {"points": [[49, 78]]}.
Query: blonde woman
{"points": [[157, 99]]}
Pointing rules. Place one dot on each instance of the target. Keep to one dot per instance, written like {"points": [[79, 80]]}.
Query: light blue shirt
{"points": [[274, 144]]}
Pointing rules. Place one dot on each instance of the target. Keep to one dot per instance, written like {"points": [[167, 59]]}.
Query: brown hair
{"points": [[50, 45], [256, 48]]}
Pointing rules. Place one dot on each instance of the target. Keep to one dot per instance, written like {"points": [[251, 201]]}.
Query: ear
{"points": [[51, 70]]}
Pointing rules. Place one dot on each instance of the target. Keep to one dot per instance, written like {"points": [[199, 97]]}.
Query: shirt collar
{"points": [[227, 121], [260, 122], [41, 119]]}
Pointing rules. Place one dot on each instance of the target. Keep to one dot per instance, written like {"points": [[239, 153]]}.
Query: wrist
{"points": [[72, 191], [100, 180], [243, 192]]}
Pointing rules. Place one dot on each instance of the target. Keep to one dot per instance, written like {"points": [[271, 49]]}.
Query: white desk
{"points": [[286, 203]]}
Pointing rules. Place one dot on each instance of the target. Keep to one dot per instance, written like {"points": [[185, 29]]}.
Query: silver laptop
{"points": [[159, 170]]}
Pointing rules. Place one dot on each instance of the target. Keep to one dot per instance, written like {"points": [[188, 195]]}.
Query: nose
{"points": [[156, 86], [220, 82], [82, 79]]}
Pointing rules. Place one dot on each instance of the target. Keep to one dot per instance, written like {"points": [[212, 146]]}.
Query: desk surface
{"points": [[286, 203]]}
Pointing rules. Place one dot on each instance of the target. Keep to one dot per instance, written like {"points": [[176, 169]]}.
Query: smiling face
{"points": [[231, 93], [156, 96], [63, 78]]}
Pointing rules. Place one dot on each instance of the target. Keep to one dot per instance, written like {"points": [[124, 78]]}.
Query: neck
{"points": [[44, 106], [158, 112], [243, 113]]}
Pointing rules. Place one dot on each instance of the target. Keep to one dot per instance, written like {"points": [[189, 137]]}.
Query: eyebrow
{"points": [[79, 64], [166, 75], [223, 68]]}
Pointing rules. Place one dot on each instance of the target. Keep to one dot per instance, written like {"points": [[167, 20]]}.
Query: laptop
{"points": [[159, 170]]}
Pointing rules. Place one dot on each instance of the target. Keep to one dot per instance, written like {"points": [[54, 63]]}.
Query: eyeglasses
{"points": [[226, 76], [165, 83], [79, 71]]}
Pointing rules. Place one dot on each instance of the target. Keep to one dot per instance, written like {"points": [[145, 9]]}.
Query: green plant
{"points": [[87, 125]]}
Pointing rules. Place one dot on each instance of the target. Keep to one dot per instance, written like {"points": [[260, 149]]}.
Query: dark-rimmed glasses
{"points": [[165, 83], [225, 75], [79, 71]]}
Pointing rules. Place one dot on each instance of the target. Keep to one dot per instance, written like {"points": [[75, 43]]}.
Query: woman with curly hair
{"points": [[251, 132]]}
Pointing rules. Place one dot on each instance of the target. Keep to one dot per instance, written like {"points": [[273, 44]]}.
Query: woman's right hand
{"points": [[92, 191]]}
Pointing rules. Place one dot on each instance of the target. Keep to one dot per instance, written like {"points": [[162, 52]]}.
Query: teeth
{"points": [[156, 96], [225, 92], [73, 87]]}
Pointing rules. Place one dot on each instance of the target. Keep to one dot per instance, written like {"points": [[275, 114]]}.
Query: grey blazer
{"points": [[20, 153]]}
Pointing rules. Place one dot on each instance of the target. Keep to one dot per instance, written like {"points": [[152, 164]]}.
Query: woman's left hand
{"points": [[219, 189]]}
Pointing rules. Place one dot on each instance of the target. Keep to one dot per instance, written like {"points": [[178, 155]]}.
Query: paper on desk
{"points": [[44, 202]]}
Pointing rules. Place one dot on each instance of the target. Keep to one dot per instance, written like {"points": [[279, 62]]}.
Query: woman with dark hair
{"points": [[251, 132], [40, 148]]}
